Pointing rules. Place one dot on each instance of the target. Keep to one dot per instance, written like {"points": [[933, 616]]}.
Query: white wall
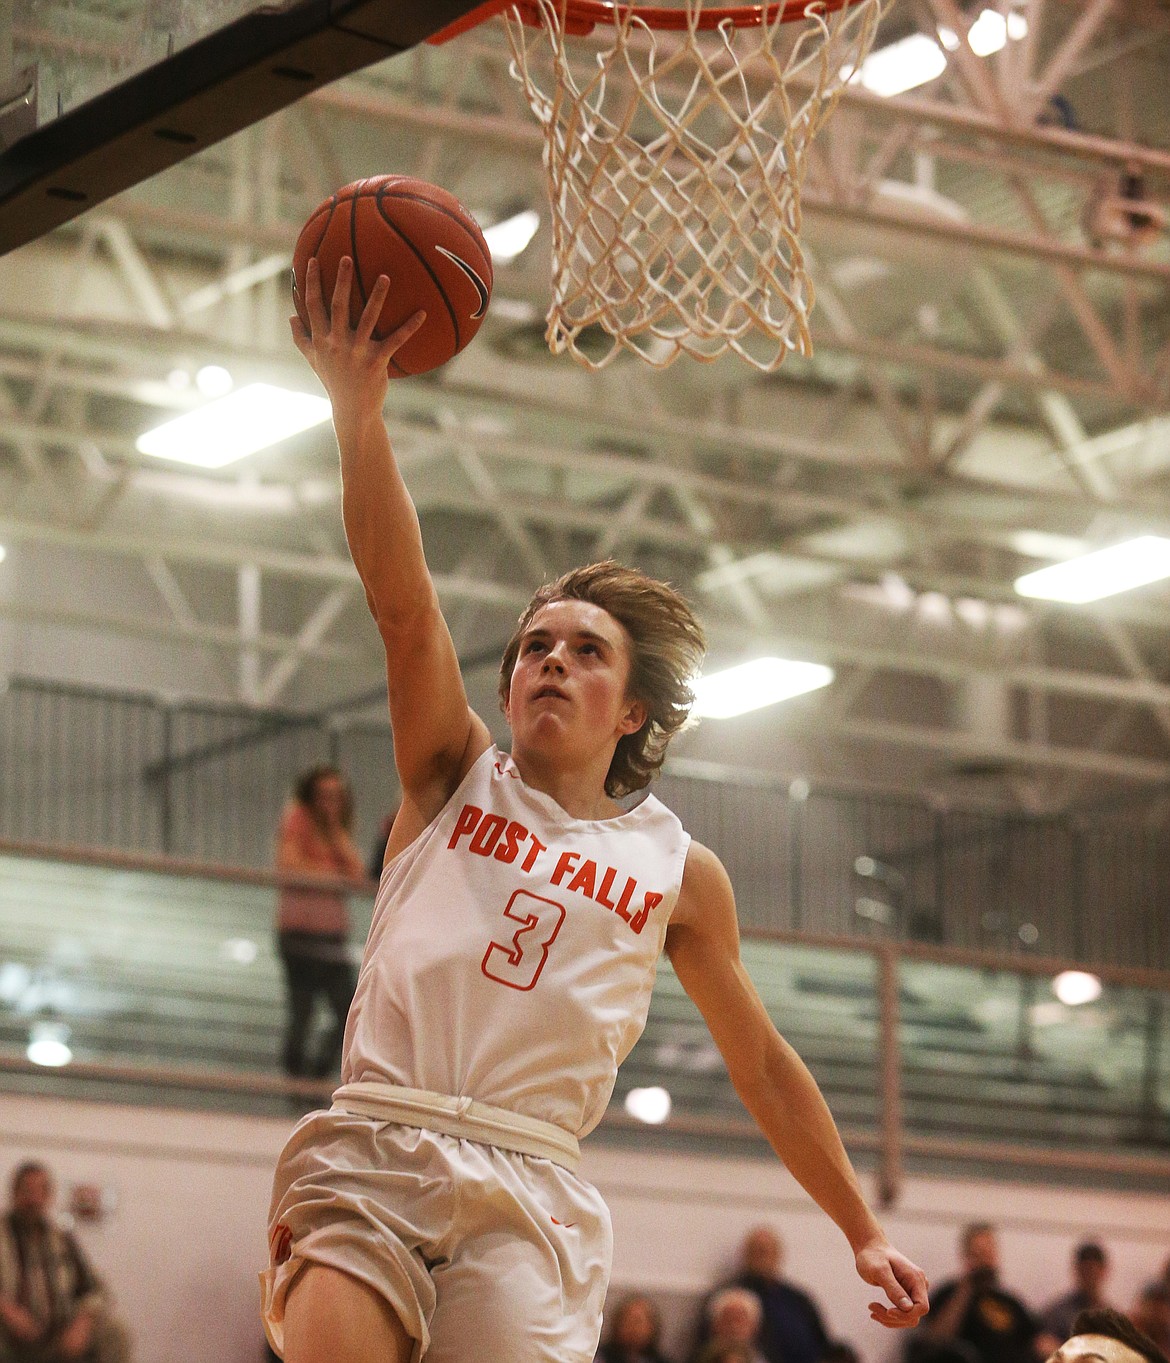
{"points": [[186, 1240]]}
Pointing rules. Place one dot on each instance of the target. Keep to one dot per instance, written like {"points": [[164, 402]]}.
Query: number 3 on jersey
{"points": [[519, 964]]}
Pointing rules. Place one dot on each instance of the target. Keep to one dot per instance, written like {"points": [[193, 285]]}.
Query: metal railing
{"points": [[928, 1055], [138, 773]]}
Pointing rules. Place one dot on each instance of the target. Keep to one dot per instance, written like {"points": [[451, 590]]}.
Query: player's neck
{"points": [[579, 790]]}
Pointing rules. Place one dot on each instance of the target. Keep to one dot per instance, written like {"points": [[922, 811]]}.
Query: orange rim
{"points": [[582, 16]]}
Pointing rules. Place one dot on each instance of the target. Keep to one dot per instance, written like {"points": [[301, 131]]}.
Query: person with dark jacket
{"points": [[791, 1328], [53, 1309], [975, 1319]]}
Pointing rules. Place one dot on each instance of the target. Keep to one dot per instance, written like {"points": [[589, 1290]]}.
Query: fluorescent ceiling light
{"points": [[910, 62], [988, 33], [751, 686], [917, 58], [649, 1105], [1103, 573], [1075, 987], [508, 238], [248, 420], [3, 553]]}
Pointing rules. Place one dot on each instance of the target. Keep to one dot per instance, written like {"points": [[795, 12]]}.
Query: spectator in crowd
{"points": [[1151, 1313], [53, 1309], [973, 1318], [839, 1351], [633, 1333], [1090, 1268], [313, 924], [734, 1316], [1105, 1336], [791, 1329]]}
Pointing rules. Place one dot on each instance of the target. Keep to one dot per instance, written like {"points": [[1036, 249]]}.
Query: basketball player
{"points": [[436, 1210]]}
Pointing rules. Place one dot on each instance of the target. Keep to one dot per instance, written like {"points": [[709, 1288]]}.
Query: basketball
{"points": [[426, 243]]}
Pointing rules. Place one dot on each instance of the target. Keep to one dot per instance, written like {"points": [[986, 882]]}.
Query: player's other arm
{"points": [[774, 1084], [436, 737]]}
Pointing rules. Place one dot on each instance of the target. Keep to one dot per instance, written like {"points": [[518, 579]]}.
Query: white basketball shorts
{"points": [[484, 1254]]}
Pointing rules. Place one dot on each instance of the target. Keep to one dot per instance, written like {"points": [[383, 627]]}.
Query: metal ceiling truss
{"points": [[984, 365]]}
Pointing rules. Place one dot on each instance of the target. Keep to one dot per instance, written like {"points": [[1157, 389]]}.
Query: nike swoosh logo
{"points": [[480, 287]]}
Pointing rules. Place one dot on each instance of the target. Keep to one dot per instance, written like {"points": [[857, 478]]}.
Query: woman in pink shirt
{"points": [[313, 925]]}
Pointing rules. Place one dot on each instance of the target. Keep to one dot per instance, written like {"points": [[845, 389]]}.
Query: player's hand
{"points": [[904, 1283], [349, 361]]}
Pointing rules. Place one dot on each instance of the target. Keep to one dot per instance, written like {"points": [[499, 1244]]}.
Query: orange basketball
{"points": [[428, 245]]}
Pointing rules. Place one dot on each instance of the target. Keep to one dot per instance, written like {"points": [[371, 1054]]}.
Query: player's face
{"points": [[1095, 1349], [568, 686], [329, 798]]}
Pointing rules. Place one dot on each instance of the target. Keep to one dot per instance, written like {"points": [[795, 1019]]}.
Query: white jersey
{"points": [[513, 950]]}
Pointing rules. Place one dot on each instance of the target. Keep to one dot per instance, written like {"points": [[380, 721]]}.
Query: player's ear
{"points": [[633, 717]]}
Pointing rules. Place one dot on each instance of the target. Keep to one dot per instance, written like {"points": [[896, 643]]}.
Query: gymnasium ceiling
{"points": [[990, 391]]}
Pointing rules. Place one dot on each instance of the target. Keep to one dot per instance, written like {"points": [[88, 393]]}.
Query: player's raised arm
{"points": [[774, 1083], [435, 734]]}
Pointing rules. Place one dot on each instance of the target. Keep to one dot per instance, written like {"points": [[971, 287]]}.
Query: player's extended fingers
{"points": [[339, 307], [400, 335], [301, 338], [373, 309], [314, 301], [893, 1319]]}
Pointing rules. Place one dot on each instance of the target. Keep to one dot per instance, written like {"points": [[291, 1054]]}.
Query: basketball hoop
{"points": [[675, 148]]}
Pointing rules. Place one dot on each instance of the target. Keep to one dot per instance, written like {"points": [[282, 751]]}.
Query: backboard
{"points": [[131, 89]]}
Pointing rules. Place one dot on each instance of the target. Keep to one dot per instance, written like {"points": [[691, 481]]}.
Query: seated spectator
{"points": [[53, 1309], [1090, 1268], [840, 1351], [791, 1330], [1105, 1336], [973, 1318], [633, 1334], [1151, 1313], [734, 1316]]}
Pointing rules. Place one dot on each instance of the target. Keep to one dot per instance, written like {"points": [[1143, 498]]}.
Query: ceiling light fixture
{"points": [[917, 59], [901, 66], [235, 426], [1105, 572], [751, 686], [508, 238]]}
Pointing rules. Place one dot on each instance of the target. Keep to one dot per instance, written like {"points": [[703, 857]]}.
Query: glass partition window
{"points": [[136, 967], [823, 1002], [997, 1055]]}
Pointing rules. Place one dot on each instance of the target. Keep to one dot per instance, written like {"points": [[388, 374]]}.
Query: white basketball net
{"points": [[674, 163]]}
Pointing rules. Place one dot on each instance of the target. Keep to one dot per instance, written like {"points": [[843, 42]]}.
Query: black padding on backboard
{"points": [[215, 87]]}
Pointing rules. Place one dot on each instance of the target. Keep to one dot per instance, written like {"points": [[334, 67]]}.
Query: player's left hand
{"points": [[903, 1282]]}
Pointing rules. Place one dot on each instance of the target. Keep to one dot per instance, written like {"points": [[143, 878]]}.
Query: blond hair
{"points": [[666, 651]]}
